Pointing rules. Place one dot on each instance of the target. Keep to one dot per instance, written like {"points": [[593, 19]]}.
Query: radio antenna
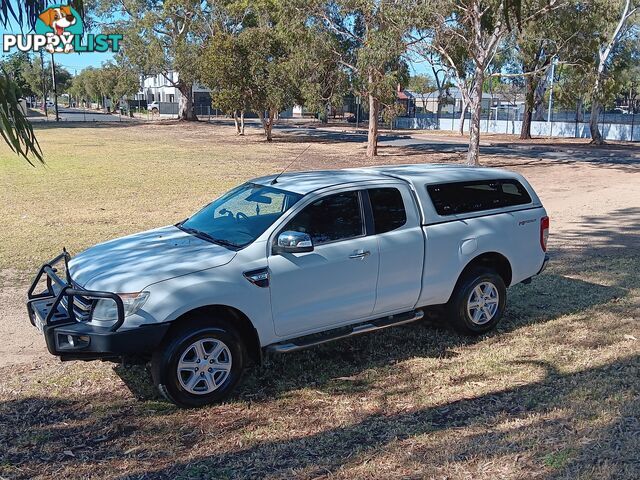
{"points": [[275, 180]]}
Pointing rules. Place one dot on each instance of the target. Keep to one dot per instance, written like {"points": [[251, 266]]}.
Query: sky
{"points": [[76, 62]]}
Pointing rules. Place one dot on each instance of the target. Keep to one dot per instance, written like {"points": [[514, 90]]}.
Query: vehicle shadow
{"points": [[549, 296], [532, 423], [554, 426]]}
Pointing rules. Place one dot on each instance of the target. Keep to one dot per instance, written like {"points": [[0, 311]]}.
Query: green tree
{"points": [[374, 36], [255, 63], [614, 21], [323, 81], [40, 81], [161, 37], [563, 35], [478, 29], [225, 70], [424, 86], [14, 64]]}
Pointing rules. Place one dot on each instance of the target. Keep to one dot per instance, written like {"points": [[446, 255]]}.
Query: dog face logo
{"points": [[61, 21], [58, 18]]}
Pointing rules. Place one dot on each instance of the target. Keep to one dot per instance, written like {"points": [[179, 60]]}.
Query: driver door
{"points": [[335, 283]]}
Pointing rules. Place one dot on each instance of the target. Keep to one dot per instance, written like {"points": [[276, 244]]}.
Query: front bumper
{"points": [[71, 337]]}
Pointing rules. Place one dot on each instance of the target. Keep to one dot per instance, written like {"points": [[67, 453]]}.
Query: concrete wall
{"points": [[610, 131]]}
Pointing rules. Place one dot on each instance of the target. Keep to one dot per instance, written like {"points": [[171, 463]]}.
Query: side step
{"points": [[344, 332]]}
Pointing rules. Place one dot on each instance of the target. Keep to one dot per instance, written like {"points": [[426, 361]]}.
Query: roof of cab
{"points": [[426, 173], [305, 182]]}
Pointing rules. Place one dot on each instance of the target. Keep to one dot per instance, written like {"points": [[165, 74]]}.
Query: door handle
{"points": [[359, 254]]}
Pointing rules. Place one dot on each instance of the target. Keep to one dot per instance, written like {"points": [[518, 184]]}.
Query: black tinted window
{"points": [[513, 193], [388, 209], [331, 218], [463, 197]]}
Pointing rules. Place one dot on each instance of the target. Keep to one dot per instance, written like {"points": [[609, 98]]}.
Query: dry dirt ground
{"points": [[553, 394]]}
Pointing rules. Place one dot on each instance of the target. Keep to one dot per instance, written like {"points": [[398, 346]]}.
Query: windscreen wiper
{"points": [[206, 236]]}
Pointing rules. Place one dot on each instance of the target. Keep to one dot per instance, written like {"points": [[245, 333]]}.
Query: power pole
{"points": [[44, 84], [55, 89]]}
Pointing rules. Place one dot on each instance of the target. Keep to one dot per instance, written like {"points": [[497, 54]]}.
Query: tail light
{"points": [[544, 232]]}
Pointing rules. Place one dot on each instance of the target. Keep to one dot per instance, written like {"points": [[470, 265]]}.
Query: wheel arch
{"points": [[493, 260], [240, 321]]}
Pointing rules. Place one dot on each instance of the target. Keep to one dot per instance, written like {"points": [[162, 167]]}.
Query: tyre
{"points": [[478, 302], [200, 363], [155, 111]]}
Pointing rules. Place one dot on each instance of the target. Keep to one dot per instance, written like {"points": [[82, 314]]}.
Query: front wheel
{"points": [[478, 302], [199, 364]]}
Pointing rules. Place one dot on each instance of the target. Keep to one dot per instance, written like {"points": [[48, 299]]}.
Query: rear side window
{"points": [[475, 196], [388, 209]]}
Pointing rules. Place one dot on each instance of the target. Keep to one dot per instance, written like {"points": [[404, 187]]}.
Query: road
{"points": [[562, 150], [79, 115]]}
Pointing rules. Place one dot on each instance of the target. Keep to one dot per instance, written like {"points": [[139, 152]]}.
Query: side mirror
{"points": [[293, 242]]}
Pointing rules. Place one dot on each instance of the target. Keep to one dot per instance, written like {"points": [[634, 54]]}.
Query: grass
{"points": [[553, 394]]}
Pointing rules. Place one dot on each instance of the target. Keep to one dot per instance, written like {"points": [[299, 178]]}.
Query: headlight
{"points": [[105, 312]]}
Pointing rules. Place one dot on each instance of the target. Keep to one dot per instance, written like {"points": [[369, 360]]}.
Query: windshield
{"points": [[240, 216]]}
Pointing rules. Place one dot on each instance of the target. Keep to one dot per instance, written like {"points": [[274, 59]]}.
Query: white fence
{"points": [[609, 131]]}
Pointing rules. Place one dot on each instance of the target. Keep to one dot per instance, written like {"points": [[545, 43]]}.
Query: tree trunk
{"points": [[463, 117], [185, 107], [439, 110], [236, 121], [596, 136], [529, 106], [372, 138], [476, 111], [242, 122], [267, 123], [579, 110]]}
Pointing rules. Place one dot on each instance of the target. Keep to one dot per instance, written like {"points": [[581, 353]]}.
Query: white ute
{"points": [[285, 262]]}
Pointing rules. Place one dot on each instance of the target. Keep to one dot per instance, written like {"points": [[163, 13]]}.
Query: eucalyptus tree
{"points": [[441, 77], [322, 81], [225, 71], [15, 64], [162, 37], [423, 86], [564, 35], [478, 28], [249, 63], [372, 40], [266, 58], [615, 23]]}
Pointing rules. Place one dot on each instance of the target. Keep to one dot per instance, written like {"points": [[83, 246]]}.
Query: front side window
{"points": [[240, 216], [475, 196], [331, 218], [388, 209]]}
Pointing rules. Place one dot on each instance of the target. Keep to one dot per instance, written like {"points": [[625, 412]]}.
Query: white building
{"points": [[158, 88]]}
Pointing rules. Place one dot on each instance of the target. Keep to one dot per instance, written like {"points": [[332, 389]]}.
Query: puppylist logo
{"points": [[59, 29]]}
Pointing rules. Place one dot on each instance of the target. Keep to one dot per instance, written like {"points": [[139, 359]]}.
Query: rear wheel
{"points": [[478, 302], [200, 363]]}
